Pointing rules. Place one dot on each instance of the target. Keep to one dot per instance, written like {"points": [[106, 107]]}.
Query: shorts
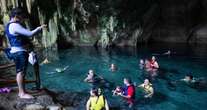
{"points": [[21, 61]]}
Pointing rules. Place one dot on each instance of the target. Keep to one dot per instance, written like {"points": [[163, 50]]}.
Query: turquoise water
{"points": [[179, 97]]}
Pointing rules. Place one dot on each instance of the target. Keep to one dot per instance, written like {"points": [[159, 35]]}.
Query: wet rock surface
{"points": [[10, 101], [48, 100]]}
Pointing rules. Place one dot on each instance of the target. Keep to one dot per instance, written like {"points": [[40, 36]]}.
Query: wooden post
{"points": [[37, 75], [36, 71], [14, 82]]}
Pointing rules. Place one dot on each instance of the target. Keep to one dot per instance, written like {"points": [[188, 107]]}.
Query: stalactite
{"points": [[49, 36], [6, 18], [73, 18], [59, 9], [53, 30], [3, 6], [108, 34], [73, 23], [112, 23], [4, 11], [136, 35], [13, 3], [78, 5], [29, 4], [104, 38], [84, 36], [44, 32]]}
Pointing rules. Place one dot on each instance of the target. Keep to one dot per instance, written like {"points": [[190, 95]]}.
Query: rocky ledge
{"points": [[44, 100], [47, 100]]}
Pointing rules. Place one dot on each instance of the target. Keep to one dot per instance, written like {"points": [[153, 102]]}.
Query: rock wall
{"points": [[112, 22], [181, 21]]}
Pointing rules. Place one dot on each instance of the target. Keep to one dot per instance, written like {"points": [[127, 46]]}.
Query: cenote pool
{"points": [[179, 97]]}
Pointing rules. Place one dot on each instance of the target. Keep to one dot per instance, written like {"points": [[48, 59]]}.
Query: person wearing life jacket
{"points": [[153, 63], [147, 86], [129, 92], [97, 101], [18, 37]]}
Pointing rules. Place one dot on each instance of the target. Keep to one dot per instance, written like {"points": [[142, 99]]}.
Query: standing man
{"points": [[18, 38]]}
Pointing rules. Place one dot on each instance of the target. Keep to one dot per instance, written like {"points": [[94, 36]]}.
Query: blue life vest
{"points": [[16, 41]]}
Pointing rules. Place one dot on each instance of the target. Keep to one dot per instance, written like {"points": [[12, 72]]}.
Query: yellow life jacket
{"points": [[148, 88], [97, 103]]}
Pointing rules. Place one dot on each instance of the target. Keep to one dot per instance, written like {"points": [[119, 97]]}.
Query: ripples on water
{"points": [[181, 97]]}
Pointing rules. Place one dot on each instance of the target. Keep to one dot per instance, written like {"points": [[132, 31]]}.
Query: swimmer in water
{"points": [[188, 79], [59, 70], [154, 64], [141, 64], [117, 91], [148, 89], [196, 81], [91, 77], [46, 61], [167, 53], [147, 64], [191, 81], [96, 80], [113, 67]]}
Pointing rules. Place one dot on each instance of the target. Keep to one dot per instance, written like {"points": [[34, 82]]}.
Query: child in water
{"points": [[117, 91]]}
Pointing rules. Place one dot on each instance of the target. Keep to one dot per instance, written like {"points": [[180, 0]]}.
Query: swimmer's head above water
{"points": [[94, 92], [188, 78], [153, 58], [91, 72], [146, 82], [141, 62], [113, 67], [127, 81]]}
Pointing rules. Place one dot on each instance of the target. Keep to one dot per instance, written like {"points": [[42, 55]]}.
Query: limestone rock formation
{"points": [[112, 22]]}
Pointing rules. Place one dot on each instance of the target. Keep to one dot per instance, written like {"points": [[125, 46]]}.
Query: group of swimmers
{"points": [[98, 102], [127, 91]]}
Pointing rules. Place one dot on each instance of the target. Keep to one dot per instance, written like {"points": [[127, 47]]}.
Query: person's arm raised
{"points": [[22, 31]]}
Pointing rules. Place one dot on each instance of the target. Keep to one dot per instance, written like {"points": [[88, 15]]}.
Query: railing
{"points": [[7, 81]]}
